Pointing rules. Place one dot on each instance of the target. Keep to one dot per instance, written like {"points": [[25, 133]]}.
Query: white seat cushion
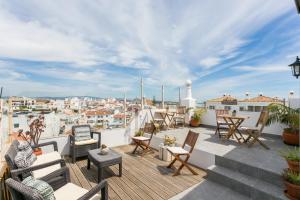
{"points": [[45, 158], [71, 191], [177, 150], [249, 128], [84, 142], [141, 138]]}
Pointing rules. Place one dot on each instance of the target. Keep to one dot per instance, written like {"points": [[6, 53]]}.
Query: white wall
{"points": [[209, 118], [110, 137]]}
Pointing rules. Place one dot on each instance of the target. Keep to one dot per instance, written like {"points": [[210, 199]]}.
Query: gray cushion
{"points": [[25, 146], [25, 156], [42, 187], [82, 133]]}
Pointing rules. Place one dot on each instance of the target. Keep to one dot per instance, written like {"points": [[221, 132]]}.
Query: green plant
{"points": [[284, 115], [169, 140], [198, 114], [291, 154], [291, 177], [139, 133]]}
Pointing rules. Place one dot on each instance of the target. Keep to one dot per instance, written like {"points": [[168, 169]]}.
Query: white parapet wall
{"points": [[110, 137]]}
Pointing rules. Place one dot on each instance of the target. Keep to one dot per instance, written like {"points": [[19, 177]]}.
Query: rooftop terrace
{"points": [[144, 177]]}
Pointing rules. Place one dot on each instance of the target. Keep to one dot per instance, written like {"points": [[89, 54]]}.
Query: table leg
{"points": [[100, 174], [88, 164], [120, 169]]}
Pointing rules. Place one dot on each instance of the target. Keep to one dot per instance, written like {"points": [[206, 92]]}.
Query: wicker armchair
{"points": [[80, 148], [44, 165], [65, 190]]}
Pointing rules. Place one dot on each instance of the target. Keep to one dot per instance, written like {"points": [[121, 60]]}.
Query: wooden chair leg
{"points": [[191, 169], [177, 172], [171, 164], [136, 146]]}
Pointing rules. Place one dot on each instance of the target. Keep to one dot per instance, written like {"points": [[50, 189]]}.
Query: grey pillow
{"points": [[82, 133], [20, 160], [41, 187], [25, 157]]}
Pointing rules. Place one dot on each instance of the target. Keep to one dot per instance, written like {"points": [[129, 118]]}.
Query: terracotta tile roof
{"points": [[97, 112], [223, 98], [120, 116], [262, 99]]}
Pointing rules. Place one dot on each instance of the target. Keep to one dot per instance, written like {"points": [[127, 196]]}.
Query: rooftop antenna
{"points": [[162, 97], [142, 93], [179, 95], [1, 92]]}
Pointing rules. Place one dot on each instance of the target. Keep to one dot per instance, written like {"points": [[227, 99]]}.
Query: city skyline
{"points": [[57, 50]]}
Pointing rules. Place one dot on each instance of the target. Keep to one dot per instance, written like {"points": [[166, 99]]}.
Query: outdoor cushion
{"points": [[72, 191], [84, 142], [41, 187], [21, 160], [45, 158], [25, 156], [177, 150], [82, 133], [249, 128], [141, 138]]}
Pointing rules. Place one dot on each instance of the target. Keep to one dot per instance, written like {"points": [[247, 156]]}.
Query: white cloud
{"points": [[210, 62], [264, 68], [162, 42]]}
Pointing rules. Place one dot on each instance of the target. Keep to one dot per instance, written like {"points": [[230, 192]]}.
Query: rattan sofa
{"points": [[42, 167], [65, 190], [81, 148]]}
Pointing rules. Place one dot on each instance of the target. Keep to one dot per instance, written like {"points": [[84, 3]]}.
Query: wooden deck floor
{"points": [[143, 177]]}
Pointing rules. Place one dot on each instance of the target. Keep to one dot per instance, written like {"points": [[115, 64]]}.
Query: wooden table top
{"points": [[233, 117]]}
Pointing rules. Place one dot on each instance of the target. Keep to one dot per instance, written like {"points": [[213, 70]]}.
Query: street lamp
{"points": [[296, 67]]}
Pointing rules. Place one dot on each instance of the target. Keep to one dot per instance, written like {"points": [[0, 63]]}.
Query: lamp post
{"points": [[296, 67]]}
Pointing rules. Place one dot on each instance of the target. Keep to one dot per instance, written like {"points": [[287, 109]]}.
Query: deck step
{"points": [[249, 186], [209, 190], [253, 171]]}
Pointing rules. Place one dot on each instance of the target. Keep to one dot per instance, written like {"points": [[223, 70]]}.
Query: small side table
{"points": [[164, 154], [101, 161]]}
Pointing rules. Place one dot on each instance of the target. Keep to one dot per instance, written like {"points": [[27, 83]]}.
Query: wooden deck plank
{"points": [[92, 177], [143, 177]]}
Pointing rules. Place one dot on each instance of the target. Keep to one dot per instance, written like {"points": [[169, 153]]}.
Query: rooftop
{"points": [[143, 177]]}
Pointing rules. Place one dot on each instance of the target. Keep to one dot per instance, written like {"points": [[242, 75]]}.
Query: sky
{"points": [[102, 48]]}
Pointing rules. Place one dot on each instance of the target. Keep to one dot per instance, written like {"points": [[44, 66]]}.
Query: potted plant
{"points": [[36, 128], [289, 117], [292, 157], [169, 140], [139, 133], [196, 118], [292, 183]]}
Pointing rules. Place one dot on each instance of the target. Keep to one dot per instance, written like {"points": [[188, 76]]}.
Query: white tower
{"points": [[188, 101]]}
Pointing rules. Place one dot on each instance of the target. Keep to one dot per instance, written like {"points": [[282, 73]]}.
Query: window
{"points": [[251, 108], [211, 107], [242, 108], [257, 108], [16, 125], [227, 107]]}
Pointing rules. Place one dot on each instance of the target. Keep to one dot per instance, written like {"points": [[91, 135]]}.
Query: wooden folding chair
{"points": [[180, 115], [220, 121], [254, 133], [157, 119], [179, 152], [144, 142]]}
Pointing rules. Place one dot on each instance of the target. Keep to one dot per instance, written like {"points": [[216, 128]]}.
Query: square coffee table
{"points": [[101, 161]]}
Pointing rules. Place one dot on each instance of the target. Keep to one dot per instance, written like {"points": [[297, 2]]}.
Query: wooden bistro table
{"points": [[167, 115], [233, 123]]}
